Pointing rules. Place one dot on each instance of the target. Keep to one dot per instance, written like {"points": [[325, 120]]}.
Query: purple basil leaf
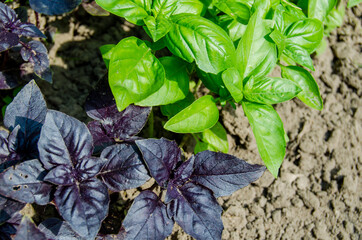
{"points": [[25, 183], [147, 218], [8, 40], [124, 168], [6, 230], [88, 168], [183, 172], [54, 228], [64, 140], [9, 78], [8, 208], [61, 175], [197, 212], [54, 7], [4, 150], [7, 15], [29, 103], [27, 230], [27, 30], [161, 156], [223, 173], [100, 138], [84, 206], [36, 53], [101, 106]]}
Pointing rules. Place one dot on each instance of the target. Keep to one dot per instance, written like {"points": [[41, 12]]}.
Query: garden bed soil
{"points": [[318, 193]]}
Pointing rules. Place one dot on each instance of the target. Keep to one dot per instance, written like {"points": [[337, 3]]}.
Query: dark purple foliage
{"points": [[54, 7], [223, 173], [8, 208], [147, 218], [7, 16], [161, 157], [6, 230], [36, 53], [27, 112], [8, 40], [196, 210], [193, 185], [54, 228], [65, 148], [25, 183], [27, 230], [110, 125], [123, 168]]}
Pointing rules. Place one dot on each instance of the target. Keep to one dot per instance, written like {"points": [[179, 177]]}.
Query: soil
{"points": [[318, 193]]}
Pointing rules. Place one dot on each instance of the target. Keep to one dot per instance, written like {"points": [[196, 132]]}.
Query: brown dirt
{"points": [[318, 194]]}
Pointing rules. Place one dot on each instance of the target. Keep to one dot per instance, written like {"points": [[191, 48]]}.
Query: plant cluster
{"points": [[14, 34], [48, 156]]}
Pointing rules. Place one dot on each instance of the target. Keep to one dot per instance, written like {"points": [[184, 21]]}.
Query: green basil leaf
{"points": [[270, 90], [310, 92], [134, 72], [133, 11], [164, 7], [307, 33], [352, 3], [334, 19], [235, 9], [261, 8], [214, 83], [285, 14], [171, 110], [175, 86], [216, 138], [236, 30], [255, 55], [106, 51], [196, 38], [299, 55], [319, 9], [194, 7], [199, 116], [157, 27], [203, 146], [234, 83], [279, 40], [269, 134]]}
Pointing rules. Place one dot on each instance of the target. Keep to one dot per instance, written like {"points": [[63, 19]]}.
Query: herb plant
{"points": [[48, 157], [13, 37], [229, 46]]}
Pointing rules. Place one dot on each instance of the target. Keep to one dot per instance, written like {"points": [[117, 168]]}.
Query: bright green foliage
{"points": [[234, 83], [158, 27], [171, 110], [270, 90], [175, 86], [269, 134], [199, 116], [319, 9], [310, 92], [134, 72], [213, 139], [106, 51], [235, 9]]}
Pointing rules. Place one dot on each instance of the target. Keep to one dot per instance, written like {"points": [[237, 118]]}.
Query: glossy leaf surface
{"points": [[197, 212], [194, 38], [84, 206], [235, 9], [157, 27], [53, 7], [224, 173], [123, 168], [255, 55], [27, 230], [63, 141], [25, 183], [299, 55], [215, 139], [134, 72], [132, 10], [194, 7], [171, 110], [319, 9], [199, 116], [310, 92], [175, 86], [54, 228], [147, 218], [270, 90], [36, 53], [106, 51], [161, 157], [234, 83], [269, 134]]}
